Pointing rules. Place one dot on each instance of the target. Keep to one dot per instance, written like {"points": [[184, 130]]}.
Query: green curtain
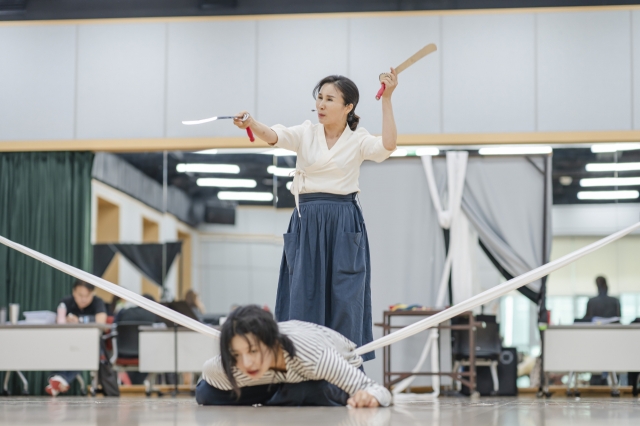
{"points": [[45, 204]]}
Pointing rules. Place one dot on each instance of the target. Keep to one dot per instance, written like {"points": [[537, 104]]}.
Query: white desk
{"points": [[589, 347], [68, 347], [157, 350], [63, 347]]}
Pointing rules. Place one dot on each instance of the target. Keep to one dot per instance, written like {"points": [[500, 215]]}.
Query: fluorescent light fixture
{"points": [[608, 195], [516, 150], [427, 151], [626, 181], [399, 153], [418, 151], [612, 167], [279, 171], [279, 152], [613, 147], [208, 168], [289, 185], [245, 196], [207, 151], [227, 183]]}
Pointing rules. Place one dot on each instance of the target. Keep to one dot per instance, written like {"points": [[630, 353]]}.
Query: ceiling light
{"points": [[629, 181], [207, 151], [516, 150], [608, 195], [279, 152], [245, 196], [613, 147], [207, 168], [427, 151], [280, 171], [227, 183], [399, 153], [612, 167]]}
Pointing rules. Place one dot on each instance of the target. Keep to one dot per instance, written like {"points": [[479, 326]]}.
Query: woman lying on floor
{"points": [[290, 363]]}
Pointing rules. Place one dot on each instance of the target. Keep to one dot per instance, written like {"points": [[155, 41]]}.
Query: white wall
{"points": [[518, 71], [132, 213], [240, 264], [575, 226], [593, 219]]}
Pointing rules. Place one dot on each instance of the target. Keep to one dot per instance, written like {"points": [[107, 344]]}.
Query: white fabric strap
{"points": [[389, 339], [492, 293], [122, 292], [297, 186], [456, 171]]}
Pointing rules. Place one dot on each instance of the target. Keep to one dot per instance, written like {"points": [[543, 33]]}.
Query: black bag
{"points": [[108, 379]]}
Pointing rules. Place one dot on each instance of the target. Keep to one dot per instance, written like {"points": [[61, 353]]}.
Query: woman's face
{"points": [[252, 357], [330, 106]]}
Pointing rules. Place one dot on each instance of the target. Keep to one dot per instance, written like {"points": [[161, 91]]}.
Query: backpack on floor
{"points": [[108, 379]]}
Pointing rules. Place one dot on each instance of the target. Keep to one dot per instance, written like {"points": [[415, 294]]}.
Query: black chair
{"points": [[488, 349], [125, 338]]}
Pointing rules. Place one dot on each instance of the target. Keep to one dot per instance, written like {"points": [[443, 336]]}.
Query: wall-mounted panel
{"points": [[488, 73], [37, 82], [121, 81], [211, 71], [293, 55], [584, 71], [375, 44]]}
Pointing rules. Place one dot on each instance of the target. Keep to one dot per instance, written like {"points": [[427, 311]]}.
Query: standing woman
{"points": [[325, 274]]}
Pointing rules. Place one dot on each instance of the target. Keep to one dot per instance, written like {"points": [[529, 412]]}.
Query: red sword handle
{"points": [[380, 92], [250, 134]]}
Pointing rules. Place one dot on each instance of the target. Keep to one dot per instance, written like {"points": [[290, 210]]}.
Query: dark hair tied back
{"points": [[350, 94]]}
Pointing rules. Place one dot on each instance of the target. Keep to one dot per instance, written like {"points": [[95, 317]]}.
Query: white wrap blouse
{"points": [[320, 169]]}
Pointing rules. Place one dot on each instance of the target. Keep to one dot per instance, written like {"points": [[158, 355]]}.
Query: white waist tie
{"points": [[297, 186]]}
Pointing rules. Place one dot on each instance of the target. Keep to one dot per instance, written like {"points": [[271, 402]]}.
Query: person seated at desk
{"points": [[136, 313], [602, 306], [194, 302], [82, 306]]}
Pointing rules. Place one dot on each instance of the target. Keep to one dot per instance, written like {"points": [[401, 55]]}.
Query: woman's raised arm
{"points": [[389, 131]]}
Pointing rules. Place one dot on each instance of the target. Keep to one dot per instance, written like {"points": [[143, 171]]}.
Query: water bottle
{"points": [[62, 314]]}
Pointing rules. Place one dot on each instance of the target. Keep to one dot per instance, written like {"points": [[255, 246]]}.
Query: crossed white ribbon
{"points": [[299, 177]]}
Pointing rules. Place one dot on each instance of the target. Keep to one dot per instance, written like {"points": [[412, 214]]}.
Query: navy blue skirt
{"points": [[325, 274]]}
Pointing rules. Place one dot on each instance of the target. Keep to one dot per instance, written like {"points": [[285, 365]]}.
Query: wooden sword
{"points": [[429, 48]]}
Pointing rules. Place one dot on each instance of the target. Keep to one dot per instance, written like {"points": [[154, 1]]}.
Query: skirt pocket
{"points": [[290, 249], [349, 253]]}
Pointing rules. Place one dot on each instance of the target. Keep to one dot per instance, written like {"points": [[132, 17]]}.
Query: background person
{"points": [[136, 313], [194, 302], [82, 306], [603, 306]]}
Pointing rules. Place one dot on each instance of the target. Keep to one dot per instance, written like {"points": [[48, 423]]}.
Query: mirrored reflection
{"points": [[227, 196]]}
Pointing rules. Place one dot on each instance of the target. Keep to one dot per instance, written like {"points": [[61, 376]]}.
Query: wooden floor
{"points": [[129, 410]]}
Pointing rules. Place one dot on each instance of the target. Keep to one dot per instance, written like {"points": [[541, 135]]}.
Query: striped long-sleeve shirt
{"points": [[321, 354]]}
